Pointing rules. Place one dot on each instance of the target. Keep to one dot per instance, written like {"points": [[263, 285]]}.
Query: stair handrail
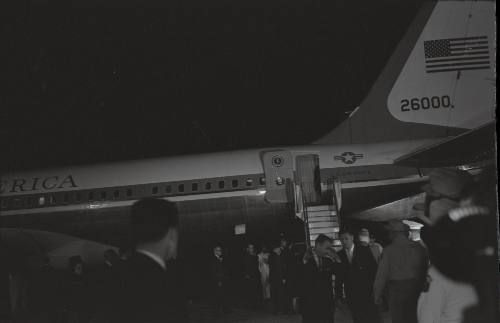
{"points": [[306, 217], [338, 203]]}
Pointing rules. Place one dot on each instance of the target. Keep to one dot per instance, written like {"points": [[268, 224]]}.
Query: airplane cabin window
{"points": [[262, 181], [180, 188], [41, 200], [234, 183], [221, 184], [249, 182], [91, 196], [168, 189], [116, 194], [194, 187], [78, 197], [154, 190], [103, 195], [66, 198], [129, 192], [208, 186]]}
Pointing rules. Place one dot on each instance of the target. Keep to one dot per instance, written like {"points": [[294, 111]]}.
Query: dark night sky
{"points": [[106, 82]]}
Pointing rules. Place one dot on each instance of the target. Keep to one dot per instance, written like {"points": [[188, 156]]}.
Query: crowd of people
{"points": [[448, 276], [269, 279]]}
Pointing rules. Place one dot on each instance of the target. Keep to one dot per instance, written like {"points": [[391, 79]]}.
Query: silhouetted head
{"points": [[322, 245], [155, 221]]}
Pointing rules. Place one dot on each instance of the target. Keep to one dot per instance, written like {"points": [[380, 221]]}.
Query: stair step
{"points": [[318, 208], [322, 230], [322, 213], [328, 218], [323, 224]]}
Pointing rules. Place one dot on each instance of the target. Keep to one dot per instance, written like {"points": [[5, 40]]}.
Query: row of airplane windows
{"points": [[125, 193]]}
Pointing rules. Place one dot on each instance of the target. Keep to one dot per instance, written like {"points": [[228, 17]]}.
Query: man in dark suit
{"points": [[356, 277], [251, 277], [44, 294], [151, 286], [219, 280], [317, 302], [106, 281], [277, 280]]}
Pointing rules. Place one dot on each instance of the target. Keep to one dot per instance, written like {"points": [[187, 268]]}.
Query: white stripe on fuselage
{"points": [[185, 168], [95, 205], [256, 192]]}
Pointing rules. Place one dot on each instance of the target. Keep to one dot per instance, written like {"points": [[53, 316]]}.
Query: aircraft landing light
{"points": [[96, 206]]}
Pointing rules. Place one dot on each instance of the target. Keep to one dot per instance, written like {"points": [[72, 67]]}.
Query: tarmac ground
{"points": [[201, 313]]}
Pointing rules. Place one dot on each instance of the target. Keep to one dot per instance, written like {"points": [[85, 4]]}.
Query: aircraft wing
{"points": [[470, 147]]}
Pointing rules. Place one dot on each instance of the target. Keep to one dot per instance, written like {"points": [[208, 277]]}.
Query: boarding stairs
{"points": [[317, 198], [323, 217]]}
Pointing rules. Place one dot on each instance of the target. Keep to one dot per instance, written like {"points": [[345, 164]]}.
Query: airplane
{"points": [[434, 99]]}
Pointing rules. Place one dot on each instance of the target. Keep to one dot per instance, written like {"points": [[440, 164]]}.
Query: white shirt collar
{"points": [[151, 255], [316, 258], [350, 251]]}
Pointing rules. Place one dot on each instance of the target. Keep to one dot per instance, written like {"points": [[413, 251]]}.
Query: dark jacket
{"points": [[251, 267], [317, 301], [276, 269], [357, 277], [218, 271], [150, 293], [44, 290]]}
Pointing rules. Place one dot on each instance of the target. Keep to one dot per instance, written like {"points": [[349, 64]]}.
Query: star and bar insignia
{"points": [[348, 157]]}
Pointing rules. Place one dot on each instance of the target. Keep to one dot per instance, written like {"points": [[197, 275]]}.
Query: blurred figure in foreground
{"points": [[152, 286], [461, 238]]}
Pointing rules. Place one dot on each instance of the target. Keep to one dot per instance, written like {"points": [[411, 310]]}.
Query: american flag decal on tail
{"points": [[457, 54]]}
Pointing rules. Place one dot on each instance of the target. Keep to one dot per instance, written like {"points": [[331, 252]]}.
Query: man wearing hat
{"points": [[401, 273], [443, 192]]}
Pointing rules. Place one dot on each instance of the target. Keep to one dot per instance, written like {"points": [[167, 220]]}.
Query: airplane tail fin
{"points": [[440, 80]]}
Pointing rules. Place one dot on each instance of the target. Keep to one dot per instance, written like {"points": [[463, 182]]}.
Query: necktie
{"points": [[349, 255]]}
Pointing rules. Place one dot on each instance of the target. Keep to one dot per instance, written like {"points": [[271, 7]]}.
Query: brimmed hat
{"points": [[447, 182], [397, 226]]}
